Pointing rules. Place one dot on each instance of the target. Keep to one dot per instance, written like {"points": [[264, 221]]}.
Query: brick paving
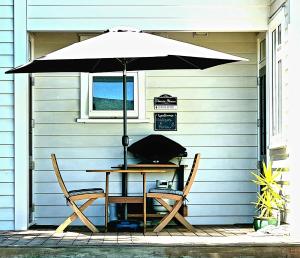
{"points": [[205, 236]]}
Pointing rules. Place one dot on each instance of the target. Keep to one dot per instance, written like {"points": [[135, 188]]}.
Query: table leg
{"points": [[106, 199], [144, 202]]}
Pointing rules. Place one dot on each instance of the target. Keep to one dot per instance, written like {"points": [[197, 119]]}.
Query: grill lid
{"points": [[156, 148]]}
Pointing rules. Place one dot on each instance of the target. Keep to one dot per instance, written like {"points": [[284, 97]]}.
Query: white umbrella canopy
{"points": [[126, 49], [141, 51]]}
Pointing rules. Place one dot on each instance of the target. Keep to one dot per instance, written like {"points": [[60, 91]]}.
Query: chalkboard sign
{"points": [[165, 121]]}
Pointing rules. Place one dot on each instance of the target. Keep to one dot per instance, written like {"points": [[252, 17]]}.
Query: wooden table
{"points": [[137, 168]]}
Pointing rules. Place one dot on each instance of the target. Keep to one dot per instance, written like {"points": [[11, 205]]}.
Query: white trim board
{"points": [[21, 100]]}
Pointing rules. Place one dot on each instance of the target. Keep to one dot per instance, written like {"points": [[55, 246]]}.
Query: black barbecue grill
{"points": [[156, 148]]}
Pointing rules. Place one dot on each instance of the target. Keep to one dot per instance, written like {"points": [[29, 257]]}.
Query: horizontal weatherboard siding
{"points": [[6, 116], [95, 15], [217, 116]]}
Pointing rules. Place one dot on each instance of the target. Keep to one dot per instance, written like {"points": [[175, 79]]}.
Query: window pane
{"points": [[262, 52], [279, 34], [108, 93], [274, 84], [279, 108]]}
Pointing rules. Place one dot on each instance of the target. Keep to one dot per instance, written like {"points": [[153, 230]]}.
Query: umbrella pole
{"points": [[125, 138]]}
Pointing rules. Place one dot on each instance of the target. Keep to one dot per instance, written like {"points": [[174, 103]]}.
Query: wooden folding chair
{"points": [[75, 195], [178, 197]]}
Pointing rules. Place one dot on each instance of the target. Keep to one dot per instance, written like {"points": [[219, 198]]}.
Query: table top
{"points": [[149, 166], [128, 170]]}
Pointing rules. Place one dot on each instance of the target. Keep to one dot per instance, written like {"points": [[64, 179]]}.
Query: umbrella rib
{"points": [[95, 65], [132, 59], [188, 62]]}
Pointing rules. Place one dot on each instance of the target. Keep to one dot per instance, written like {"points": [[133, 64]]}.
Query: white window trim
{"points": [[279, 139], [114, 113], [84, 102]]}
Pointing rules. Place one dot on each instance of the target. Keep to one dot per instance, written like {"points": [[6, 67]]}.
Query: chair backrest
{"points": [[58, 176], [192, 176]]}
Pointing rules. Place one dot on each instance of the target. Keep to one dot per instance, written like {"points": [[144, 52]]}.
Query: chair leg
{"points": [[178, 216], [83, 218], [166, 219], [73, 216]]}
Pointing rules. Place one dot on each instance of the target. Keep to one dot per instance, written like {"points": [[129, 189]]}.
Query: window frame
{"points": [[84, 103], [277, 135], [113, 113]]}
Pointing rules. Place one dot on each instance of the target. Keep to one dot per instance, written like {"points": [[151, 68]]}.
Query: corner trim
{"points": [[21, 100]]}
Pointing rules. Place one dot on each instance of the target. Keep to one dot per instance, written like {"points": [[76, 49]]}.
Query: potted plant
{"points": [[270, 200]]}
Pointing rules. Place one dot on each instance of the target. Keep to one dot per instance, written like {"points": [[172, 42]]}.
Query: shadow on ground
{"points": [[147, 251]]}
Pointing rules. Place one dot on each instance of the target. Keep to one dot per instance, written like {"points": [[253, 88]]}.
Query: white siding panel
{"points": [[223, 210], [6, 112], [184, 117], [7, 225], [200, 82], [57, 82], [58, 105], [6, 36], [6, 125], [115, 152], [194, 199], [7, 87], [134, 129], [6, 24], [206, 93], [6, 12], [55, 94], [7, 201], [217, 116], [72, 105], [6, 63], [6, 176], [145, 2], [6, 151], [221, 198], [6, 117], [81, 164], [6, 188], [6, 213], [6, 2], [6, 163], [186, 140], [149, 15], [227, 70], [6, 99], [6, 48], [220, 220], [58, 220], [6, 137]]}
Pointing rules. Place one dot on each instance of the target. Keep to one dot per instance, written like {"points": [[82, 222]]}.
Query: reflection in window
{"points": [[108, 93]]}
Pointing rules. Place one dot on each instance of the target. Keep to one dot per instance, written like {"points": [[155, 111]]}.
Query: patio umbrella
{"points": [[125, 49]]}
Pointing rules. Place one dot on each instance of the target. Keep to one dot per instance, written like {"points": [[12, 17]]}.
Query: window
{"points": [[106, 95], [101, 97], [277, 59], [262, 50], [276, 82]]}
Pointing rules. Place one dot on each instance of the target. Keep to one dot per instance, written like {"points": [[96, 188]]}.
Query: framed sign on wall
{"points": [[165, 102], [165, 121]]}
